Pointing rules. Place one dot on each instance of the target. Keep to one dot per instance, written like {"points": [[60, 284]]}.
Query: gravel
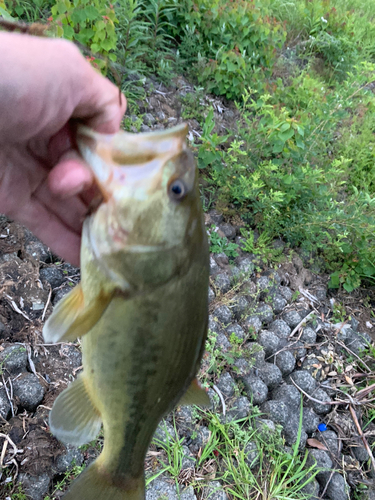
{"points": [[320, 408], [5, 408], [286, 362], [53, 275], [256, 389], [252, 324], [304, 380], [292, 318], [162, 488], [271, 375], [290, 395], [29, 391], [223, 314], [226, 385], [277, 411], [35, 487], [280, 328], [269, 341], [13, 359]]}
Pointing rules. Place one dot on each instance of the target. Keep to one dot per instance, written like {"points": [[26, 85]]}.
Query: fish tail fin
{"points": [[74, 418], [93, 484]]}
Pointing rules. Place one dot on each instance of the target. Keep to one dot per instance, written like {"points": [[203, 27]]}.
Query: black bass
{"points": [[141, 306]]}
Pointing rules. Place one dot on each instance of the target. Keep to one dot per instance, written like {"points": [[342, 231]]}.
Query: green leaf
{"points": [[68, 31], [285, 126], [284, 136], [334, 281]]}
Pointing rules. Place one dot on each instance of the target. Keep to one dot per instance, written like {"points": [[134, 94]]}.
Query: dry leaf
{"points": [[332, 374], [349, 380], [314, 443], [348, 368]]}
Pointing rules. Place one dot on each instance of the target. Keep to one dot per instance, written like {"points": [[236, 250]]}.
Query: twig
{"points": [[47, 303], [363, 437], [31, 362], [16, 308], [216, 389], [8, 396], [326, 486], [317, 400], [301, 323], [308, 295], [353, 354]]}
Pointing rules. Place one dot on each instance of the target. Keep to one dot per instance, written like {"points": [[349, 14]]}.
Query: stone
{"points": [[145, 128], [308, 335], [221, 259], [222, 283], [321, 294], [238, 306], [277, 411], [5, 409], [251, 454], [235, 330], [223, 314], [214, 491], [228, 230], [213, 325], [286, 292], [330, 441], [164, 489], [280, 328], [211, 295], [226, 385], [292, 431], [53, 275], [322, 460], [216, 217], [286, 362], [311, 490], [188, 459], [359, 451], [320, 408], [214, 268], [240, 409], [164, 433], [222, 342], [252, 324], [256, 389], [35, 487], [264, 313], [292, 318], [269, 341], [246, 266], [265, 427], [243, 367], [290, 395], [303, 379], [310, 420], [69, 459], [256, 353], [149, 119], [271, 375], [263, 284], [314, 367], [337, 488], [38, 250], [13, 359], [354, 323], [299, 349], [60, 293], [201, 439], [29, 391], [185, 420], [278, 303]]}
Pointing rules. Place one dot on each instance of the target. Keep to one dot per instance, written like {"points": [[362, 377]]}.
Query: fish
{"points": [[141, 306]]}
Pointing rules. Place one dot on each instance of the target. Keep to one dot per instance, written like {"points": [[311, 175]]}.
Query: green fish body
{"points": [[141, 307]]}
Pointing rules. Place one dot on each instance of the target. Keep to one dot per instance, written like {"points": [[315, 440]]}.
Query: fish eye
{"points": [[177, 189]]}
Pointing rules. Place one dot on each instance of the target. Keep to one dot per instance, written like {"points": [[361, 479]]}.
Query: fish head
{"points": [[149, 225]]}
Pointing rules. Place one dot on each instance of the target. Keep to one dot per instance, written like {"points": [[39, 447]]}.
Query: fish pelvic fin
{"points": [[195, 395], [74, 418], [72, 318], [93, 484]]}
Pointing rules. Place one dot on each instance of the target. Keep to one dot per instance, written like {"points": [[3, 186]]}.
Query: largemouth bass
{"points": [[140, 308]]}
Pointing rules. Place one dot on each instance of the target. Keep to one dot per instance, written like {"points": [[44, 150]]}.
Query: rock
{"points": [[235, 330], [188, 459], [222, 342], [246, 266], [256, 389], [255, 351], [354, 323], [213, 325], [314, 367], [252, 324], [322, 461], [304, 380], [271, 375], [226, 385], [162, 489], [321, 294], [223, 314], [216, 217], [286, 362], [280, 328], [185, 420], [164, 433], [251, 454], [222, 283], [292, 431], [238, 306], [265, 427], [278, 303], [286, 292], [263, 284], [240, 409], [228, 230], [269, 341], [35, 487], [211, 295], [29, 391], [214, 491], [5, 408], [69, 459], [202, 438], [53, 275], [277, 411], [289, 395], [38, 250], [311, 490], [320, 408], [160, 115], [60, 293], [264, 313], [299, 349], [149, 119], [243, 367], [221, 259], [330, 441], [308, 335], [214, 268], [292, 318], [360, 451], [145, 128], [337, 488], [13, 359], [310, 420]]}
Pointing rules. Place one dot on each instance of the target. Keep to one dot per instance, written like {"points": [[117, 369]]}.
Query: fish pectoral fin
{"points": [[72, 318], [195, 395], [74, 418], [95, 484]]}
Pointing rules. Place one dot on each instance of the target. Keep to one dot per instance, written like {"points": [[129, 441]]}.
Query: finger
{"points": [[51, 230], [70, 176]]}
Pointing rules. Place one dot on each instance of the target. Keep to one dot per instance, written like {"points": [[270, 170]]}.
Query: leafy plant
{"points": [[220, 244]]}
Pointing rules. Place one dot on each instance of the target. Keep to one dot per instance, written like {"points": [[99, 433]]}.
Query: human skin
{"points": [[46, 87]]}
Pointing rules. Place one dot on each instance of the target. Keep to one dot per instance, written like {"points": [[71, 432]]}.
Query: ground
{"points": [[277, 334]]}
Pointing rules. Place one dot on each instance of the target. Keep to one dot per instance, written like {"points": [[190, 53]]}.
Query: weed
{"points": [[220, 244]]}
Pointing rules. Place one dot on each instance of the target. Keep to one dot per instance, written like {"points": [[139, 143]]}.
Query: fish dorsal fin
{"points": [[72, 318], [74, 418], [195, 395]]}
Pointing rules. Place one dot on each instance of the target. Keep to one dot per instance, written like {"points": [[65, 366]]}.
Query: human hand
{"points": [[46, 86]]}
